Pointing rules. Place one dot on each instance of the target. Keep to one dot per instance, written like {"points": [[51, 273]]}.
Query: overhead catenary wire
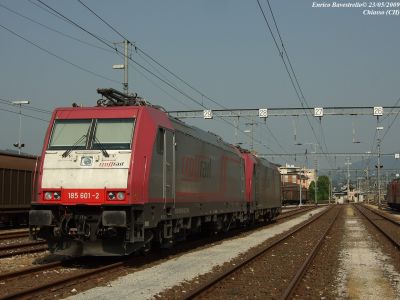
{"points": [[390, 125], [32, 108], [197, 97], [297, 87], [58, 15], [57, 56], [135, 62], [167, 70], [25, 115], [374, 141], [391, 110], [54, 30], [158, 86], [292, 75], [295, 77], [205, 96]]}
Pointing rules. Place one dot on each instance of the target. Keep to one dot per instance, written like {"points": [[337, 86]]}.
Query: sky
{"points": [[223, 49]]}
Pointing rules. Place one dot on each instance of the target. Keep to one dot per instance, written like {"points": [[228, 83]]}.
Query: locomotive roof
{"points": [[196, 132], [267, 162]]}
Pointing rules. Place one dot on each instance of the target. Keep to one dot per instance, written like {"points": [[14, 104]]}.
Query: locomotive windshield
{"points": [[113, 134], [99, 134], [68, 133]]}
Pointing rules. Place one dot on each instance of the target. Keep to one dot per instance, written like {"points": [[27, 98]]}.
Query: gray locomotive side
{"points": [[195, 174], [267, 185]]}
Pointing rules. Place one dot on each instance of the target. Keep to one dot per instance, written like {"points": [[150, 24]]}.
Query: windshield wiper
{"points": [[74, 146], [103, 150]]}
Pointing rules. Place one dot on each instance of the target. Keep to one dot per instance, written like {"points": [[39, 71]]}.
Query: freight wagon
{"points": [[291, 194], [16, 187]]}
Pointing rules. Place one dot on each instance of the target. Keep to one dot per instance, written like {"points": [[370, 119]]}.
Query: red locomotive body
{"points": [[115, 179], [393, 194], [263, 183]]}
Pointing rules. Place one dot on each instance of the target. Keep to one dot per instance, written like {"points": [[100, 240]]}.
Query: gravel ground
{"points": [[148, 283], [16, 262], [365, 271]]}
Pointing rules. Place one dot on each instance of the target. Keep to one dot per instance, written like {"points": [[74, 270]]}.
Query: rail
{"points": [[303, 269], [374, 222], [219, 277], [13, 235]]}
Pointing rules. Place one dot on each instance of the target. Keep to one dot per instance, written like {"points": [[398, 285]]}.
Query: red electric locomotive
{"points": [[118, 177], [263, 187], [392, 195]]}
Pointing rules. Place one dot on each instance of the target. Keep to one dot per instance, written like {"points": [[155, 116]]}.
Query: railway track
{"points": [[30, 291], [22, 248], [76, 275], [304, 267], [294, 212], [389, 227], [13, 235], [212, 283]]}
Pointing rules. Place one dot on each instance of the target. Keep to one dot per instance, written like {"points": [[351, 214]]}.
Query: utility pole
{"points": [[316, 174], [252, 134], [126, 43], [330, 188], [348, 163], [124, 66], [236, 130], [378, 129], [20, 103], [301, 171]]}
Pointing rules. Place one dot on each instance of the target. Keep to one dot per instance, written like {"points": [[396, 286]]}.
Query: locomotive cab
{"points": [[85, 164], [86, 194]]}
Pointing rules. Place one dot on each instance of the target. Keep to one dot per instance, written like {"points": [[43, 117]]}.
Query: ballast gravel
{"points": [[366, 272], [146, 284]]}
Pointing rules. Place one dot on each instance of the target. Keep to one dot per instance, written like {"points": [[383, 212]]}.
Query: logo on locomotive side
{"points": [[196, 167], [110, 164]]}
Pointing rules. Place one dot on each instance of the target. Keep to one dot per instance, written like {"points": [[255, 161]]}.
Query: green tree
{"points": [[311, 192], [323, 189]]}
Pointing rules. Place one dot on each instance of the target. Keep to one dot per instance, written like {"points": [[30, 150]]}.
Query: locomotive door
{"points": [[169, 169], [255, 187]]}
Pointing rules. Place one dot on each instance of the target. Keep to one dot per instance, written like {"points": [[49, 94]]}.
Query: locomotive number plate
{"points": [[83, 195]]}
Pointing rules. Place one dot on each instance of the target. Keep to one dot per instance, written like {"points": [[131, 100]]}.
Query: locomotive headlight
{"points": [[86, 161], [121, 195], [111, 196], [48, 195], [57, 195]]}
